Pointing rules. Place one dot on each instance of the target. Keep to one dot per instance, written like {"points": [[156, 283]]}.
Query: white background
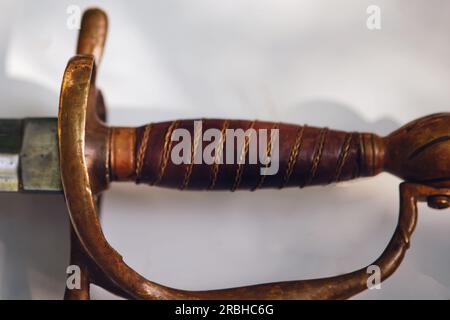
{"points": [[309, 62]]}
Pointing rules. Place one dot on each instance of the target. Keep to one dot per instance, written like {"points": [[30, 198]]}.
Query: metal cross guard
{"points": [[80, 155]]}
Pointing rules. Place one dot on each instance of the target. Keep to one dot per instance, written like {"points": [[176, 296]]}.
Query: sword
{"points": [[80, 155]]}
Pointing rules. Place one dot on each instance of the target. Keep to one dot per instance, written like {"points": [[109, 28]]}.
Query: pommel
{"points": [[420, 151]]}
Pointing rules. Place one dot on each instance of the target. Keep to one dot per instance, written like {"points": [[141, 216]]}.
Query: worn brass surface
{"points": [[122, 156], [92, 35]]}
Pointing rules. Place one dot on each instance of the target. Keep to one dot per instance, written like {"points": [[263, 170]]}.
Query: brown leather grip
{"points": [[307, 155]]}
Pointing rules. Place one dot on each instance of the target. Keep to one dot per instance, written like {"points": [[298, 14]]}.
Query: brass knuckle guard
{"points": [[415, 153]]}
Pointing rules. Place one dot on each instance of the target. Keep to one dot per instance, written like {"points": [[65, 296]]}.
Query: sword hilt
{"points": [[237, 154], [92, 155]]}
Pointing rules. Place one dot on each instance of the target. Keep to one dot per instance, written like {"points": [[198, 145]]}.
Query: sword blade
{"points": [[29, 159]]}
